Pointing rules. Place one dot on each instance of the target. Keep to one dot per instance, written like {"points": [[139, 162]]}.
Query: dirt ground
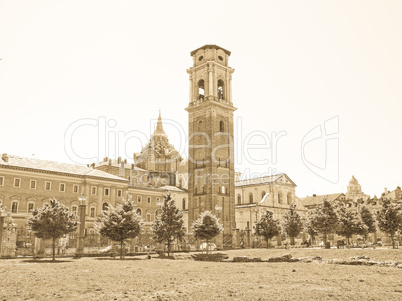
{"points": [[162, 279]]}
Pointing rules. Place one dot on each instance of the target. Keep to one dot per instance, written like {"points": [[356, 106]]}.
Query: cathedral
{"points": [[205, 180]]}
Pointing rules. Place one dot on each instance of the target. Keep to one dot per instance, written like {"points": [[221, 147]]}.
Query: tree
{"points": [[169, 225], [349, 223], [324, 219], [119, 223], [52, 222], [268, 227], [206, 227], [389, 218], [292, 224], [368, 219], [308, 226]]}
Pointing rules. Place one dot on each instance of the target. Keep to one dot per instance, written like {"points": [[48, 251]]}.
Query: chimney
{"points": [[125, 161], [385, 190], [5, 157], [110, 161], [132, 166], [314, 195], [118, 160]]}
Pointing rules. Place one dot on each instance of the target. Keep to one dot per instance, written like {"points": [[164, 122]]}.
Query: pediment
{"points": [[285, 180]]}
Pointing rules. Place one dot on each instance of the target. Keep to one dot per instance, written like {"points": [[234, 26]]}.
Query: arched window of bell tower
{"points": [[221, 126], [220, 89], [201, 89]]}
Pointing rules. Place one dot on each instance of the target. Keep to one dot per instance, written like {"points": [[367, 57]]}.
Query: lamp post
{"points": [[2, 217], [81, 236], [159, 246], [218, 208], [219, 239]]}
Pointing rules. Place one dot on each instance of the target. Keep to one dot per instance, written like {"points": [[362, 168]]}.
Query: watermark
{"points": [[255, 147], [93, 140], [322, 158]]}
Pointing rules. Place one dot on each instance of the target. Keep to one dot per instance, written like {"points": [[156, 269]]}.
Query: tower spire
{"points": [[159, 126]]}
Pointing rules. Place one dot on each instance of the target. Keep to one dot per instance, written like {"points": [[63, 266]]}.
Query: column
{"points": [[226, 93], [1, 229], [219, 241], [39, 247], [81, 235], [234, 239], [279, 240], [191, 88], [248, 238], [230, 89], [210, 82], [237, 234]]}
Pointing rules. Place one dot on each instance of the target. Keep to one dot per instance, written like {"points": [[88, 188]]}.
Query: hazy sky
{"points": [[80, 75]]}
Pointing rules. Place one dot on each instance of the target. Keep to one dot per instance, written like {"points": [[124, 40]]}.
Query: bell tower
{"points": [[211, 144]]}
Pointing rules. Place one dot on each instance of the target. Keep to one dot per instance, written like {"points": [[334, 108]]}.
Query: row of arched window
{"points": [[220, 90], [279, 196]]}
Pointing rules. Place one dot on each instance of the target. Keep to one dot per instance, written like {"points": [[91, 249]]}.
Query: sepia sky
{"points": [[317, 84]]}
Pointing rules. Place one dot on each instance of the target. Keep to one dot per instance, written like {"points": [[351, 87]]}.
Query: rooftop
{"points": [[118, 163], [52, 166], [319, 199], [266, 179], [210, 46]]}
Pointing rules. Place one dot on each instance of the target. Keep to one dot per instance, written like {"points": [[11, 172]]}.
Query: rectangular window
{"points": [[106, 191], [149, 200], [93, 189], [48, 185], [74, 209], [30, 207], [119, 193], [14, 207], [92, 212], [1, 181], [62, 187], [76, 188], [17, 182], [148, 217], [32, 184], [139, 198]]}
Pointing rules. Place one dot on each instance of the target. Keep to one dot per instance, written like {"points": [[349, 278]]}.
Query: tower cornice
{"points": [[205, 64], [207, 103], [210, 46]]}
